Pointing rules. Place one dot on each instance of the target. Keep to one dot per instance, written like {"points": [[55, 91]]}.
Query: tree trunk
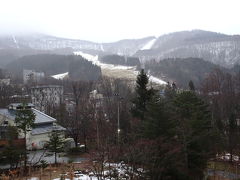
{"points": [[85, 141], [76, 141], [25, 151], [55, 157]]}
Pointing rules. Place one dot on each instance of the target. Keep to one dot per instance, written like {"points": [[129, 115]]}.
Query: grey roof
{"points": [[47, 129], [46, 86], [20, 104], [41, 117], [8, 113]]}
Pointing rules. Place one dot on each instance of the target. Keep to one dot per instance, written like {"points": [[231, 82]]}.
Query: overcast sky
{"points": [[111, 20]]}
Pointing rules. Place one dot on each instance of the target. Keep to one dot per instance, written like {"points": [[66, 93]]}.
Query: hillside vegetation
{"points": [[78, 67], [120, 60], [181, 70]]}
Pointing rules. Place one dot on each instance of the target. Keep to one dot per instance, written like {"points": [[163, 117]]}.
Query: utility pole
{"points": [[96, 118], [118, 117], [118, 122]]}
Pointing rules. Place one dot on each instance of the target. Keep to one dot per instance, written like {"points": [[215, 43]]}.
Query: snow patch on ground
{"points": [[149, 44], [81, 177], [33, 178], [60, 76], [120, 170]]}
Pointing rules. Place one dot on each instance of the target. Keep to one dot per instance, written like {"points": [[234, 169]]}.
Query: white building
{"points": [[36, 137], [32, 76], [5, 82], [46, 97]]}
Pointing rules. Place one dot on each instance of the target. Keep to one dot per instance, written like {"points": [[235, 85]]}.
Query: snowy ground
{"points": [[117, 71], [111, 171], [35, 157]]}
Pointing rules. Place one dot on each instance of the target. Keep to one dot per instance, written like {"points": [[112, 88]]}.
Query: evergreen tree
{"points": [[232, 135], [11, 154], [194, 131], [191, 85], [25, 122], [164, 159], [180, 125], [157, 121], [143, 95], [55, 144]]}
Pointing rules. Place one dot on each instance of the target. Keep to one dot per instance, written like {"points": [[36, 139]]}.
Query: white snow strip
{"points": [[156, 80], [153, 79], [89, 57], [149, 44], [60, 76], [15, 41], [94, 60], [102, 47]]}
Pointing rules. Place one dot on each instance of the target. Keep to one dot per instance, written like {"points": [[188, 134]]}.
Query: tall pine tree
{"points": [[56, 143], [143, 96], [194, 131], [25, 119]]}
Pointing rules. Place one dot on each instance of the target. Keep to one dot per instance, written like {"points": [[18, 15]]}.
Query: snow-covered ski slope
{"points": [[95, 60], [149, 44], [60, 76]]}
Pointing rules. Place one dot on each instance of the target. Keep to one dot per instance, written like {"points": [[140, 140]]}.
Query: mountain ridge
{"points": [[218, 48]]}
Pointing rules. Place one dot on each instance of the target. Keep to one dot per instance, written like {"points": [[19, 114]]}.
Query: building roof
{"points": [[46, 86], [10, 114], [41, 117], [47, 129], [16, 105]]}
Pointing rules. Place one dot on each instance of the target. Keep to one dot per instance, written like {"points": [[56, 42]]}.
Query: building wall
{"points": [[4, 118], [30, 75], [37, 141], [5, 82], [46, 96]]}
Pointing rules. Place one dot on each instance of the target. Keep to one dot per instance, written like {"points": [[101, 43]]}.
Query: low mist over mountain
{"points": [[16, 46], [217, 48]]}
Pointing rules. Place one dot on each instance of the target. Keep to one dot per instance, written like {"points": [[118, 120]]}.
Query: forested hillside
{"points": [[215, 47], [78, 67], [181, 70], [120, 60]]}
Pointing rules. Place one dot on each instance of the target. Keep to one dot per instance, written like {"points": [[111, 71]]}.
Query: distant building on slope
{"points": [[47, 97], [32, 76], [5, 82]]}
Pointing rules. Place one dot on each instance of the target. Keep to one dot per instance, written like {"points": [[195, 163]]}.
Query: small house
{"points": [[37, 137]]}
